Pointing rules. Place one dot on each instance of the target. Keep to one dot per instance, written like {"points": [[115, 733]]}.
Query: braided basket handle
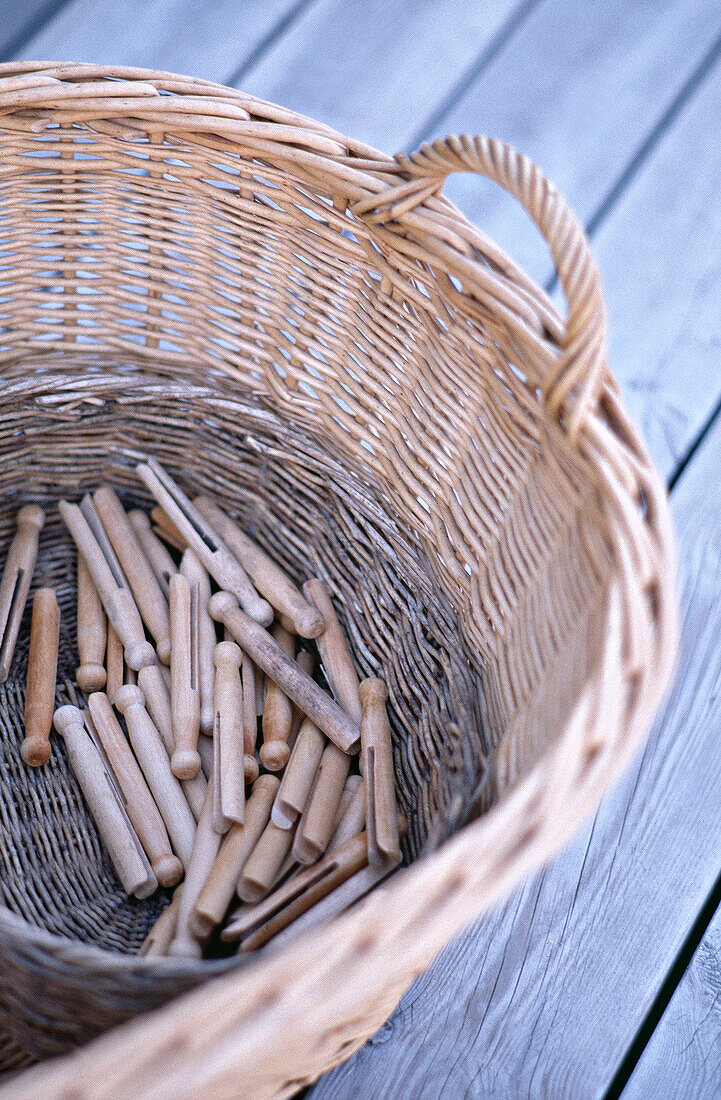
{"points": [[572, 385]]}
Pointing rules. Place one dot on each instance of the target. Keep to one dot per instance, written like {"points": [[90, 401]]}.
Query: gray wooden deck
{"points": [[602, 975]]}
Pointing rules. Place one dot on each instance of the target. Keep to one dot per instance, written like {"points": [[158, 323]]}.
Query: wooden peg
{"points": [[92, 633], [205, 849], [250, 720], [184, 694], [333, 904], [157, 702], [16, 579], [139, 803], [207, 543], [160, 936], [197, 576], [228, 769], [341, 898], [114, 664], [155, 766], [166, 529], [299, 776], [353, 818], [267, 654], [277, 711], [220, 885], [379, 776], [297, 895], [265, 861], [334, 653], [302, 617], [155, 551], [123, 846], [306, 662], [111, 586], [42, 672], [148, 594], [349, 789], [316, 825]]}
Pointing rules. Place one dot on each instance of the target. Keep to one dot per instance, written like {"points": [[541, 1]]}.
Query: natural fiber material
{"points": [[307, 331]]}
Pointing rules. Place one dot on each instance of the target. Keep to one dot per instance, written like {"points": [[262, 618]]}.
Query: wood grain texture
{"points": [[19, 21], [684, 1051], [545, 996], [372, 72], [578, 96], [210, 40], [660, 256]]}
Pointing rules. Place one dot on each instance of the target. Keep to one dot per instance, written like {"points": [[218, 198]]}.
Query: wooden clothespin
{"points": [[379, 776], [316, 825], [155, 766], [151, 682], [299, 776], [108, 578], [184, 691], [160, 560], [352, 817], [149, 598], [114, 663], [222, 881], [207, 543], [16, 579], [277, 711], [160, 936], [197, 576], [121, 842], [285, 672], [334, 653], [139, 802], [297, 615], [41, 676], [228, 767], [260, 923], [92, 632], [341, 898], [264, 863], [205, 850]]}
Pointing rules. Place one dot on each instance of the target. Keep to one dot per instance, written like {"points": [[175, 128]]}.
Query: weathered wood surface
{"points": [[210, 40], [578, 92], [684, 1053], [374, 72], [545, 996], [18, 22], [660, 255]]}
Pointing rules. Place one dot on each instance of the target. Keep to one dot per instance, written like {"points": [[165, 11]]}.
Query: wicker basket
{"points": [[308, 330]]}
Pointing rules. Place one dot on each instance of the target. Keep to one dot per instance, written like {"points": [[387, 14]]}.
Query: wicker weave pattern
{"points": [[317, 332]]}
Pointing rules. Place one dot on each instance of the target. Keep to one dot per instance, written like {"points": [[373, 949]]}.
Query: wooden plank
{"points": [[683, 1056], [577, 91], [205, 40], [659, 256], [20, 21], [545, 996], [372, 70]]}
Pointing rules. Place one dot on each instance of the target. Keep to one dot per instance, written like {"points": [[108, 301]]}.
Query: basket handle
{"points": [[572, 384]]}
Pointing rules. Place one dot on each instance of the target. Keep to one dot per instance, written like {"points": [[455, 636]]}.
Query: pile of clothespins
{"points": [[291, 831]]}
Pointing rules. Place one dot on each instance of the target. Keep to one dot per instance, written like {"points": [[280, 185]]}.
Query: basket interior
{"points": [[177, 298], [316, 517]]}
